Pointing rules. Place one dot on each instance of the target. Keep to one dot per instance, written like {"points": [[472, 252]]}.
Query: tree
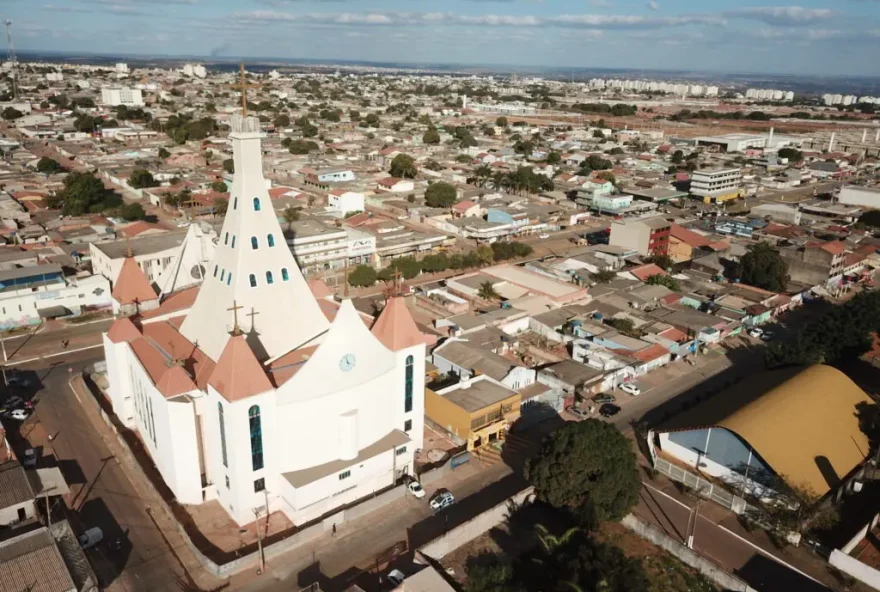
{"points": [[763, 267], [372, 120], [501, 122], [432, 136], [792, 154], [11, 113], [141, 179], [221, 204], [587, 466], [677, 157], [302, 146], [440, 195], [291, 215], [603, 276], [659, 279], [662, 261], [598, 134], [403, 167], [85, 123], [871, 219], [554, 157], [84, 193], [47, 166], [219, 187], [607, 176], [229, 166], [282, 120], [487, 291], [132, 211], [489, 572], [163, 153], [362, 276]]}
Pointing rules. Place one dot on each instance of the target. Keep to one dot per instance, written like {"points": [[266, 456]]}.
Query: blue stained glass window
{"points": [[271, 240], [408, 386], [256, 204], [222, 432], [256, 437], [253, 280], [269, 278], [254, 243], [284, 274]]}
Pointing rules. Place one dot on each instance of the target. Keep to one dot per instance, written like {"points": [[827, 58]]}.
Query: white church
{"points": [[252, 390]]}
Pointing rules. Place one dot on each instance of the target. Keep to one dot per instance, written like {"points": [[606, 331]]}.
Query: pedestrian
{"points": [[334, 529]]}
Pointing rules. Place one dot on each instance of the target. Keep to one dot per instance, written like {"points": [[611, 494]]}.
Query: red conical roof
{"points": [[395, 327], [123, 329], [132, 285], [238, 374]]}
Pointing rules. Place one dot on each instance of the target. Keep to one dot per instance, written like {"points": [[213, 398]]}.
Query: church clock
{"points": [[346, 363]]}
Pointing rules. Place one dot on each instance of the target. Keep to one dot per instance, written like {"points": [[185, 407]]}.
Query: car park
{"points": [[580, 413], [609, 410], [442, 499], [415, 488], [630, 388]]}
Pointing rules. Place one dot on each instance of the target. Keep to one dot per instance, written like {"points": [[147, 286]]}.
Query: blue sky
{"points": [[813, 37]]}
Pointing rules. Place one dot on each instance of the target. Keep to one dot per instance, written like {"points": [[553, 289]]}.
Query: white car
{"points": [[396, 577], [756, 332], [630, 388], [543, 235], [415, 488], [18, 414]]}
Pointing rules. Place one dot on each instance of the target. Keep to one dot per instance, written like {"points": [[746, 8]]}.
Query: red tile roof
{"points": [[650, 353], [688, 236], [176, 301], [283, 369], [643, 272], [395, 327], [123, 329], [319, 289], [140, 227], [673, 334], [833, 247], [389, 181], [132, 285], [238, 374], [166, 338], [175, 381]]}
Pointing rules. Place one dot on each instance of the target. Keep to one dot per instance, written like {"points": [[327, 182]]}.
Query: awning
{"points": [[47, 481]]}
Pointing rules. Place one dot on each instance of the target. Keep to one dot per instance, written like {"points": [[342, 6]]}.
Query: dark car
{"points": [[609, 410]]}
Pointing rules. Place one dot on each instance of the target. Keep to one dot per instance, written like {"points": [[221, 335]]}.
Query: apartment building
{"points": [[647, 236], [717, 185]]}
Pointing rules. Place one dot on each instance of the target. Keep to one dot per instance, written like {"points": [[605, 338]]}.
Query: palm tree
{"points": [[291, 215], [487, 291], [499, 180], [483, 173], [551, 543]]}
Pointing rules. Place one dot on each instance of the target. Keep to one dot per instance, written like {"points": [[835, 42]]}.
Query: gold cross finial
{"points": [[243, 86], [234, 309]]}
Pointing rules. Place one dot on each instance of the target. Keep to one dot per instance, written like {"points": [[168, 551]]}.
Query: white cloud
{"points": [[653, 5], [783, 15], [600, 3]]}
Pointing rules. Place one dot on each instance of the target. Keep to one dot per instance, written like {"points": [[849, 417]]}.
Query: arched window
{"points": [[229, 279], [408, 386], [235, 204], [269, 279], [284, 275], [226, 239], [256, 438], [254, 243], [256, 204], [253, 280], [222, 432], [215, 270], [270, 240], [233, 241], [222, 275]]}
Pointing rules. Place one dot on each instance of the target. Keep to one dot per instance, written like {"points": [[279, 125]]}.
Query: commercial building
{"points": [[717, 185], [113, 96], [799, 425], [853, 195], [816, 264], [477, 411], [647, 236]]}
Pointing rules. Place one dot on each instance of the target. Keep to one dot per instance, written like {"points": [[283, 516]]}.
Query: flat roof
{"points": [[146, 245], [655, 193], [476, 394]]}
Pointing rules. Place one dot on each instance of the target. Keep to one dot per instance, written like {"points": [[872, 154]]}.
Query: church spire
{"points": [[253, 267]]}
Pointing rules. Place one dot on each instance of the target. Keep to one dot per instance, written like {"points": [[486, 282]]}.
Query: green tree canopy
{"points": [[501, 121], [658, 279], [132, 211], [282, 120], [163, 153], [504, 251], [432, 136], [221, 204], [11, 113], [302, 146], [47, 166], [554, 157], [589, 466], [141, 179], [603, 276], [229, 166], [362, 276], [677, 157], [84, 193], [440, 195], [763, 267], [404, 167], [487, 291], [792, 154], [219, 187]]}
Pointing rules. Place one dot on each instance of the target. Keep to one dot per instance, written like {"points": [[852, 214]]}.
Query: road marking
{"points": [[53, 355], [746, 541]]}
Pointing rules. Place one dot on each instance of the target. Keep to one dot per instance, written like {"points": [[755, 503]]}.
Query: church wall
{"points": [[417, 415], [119, 384]]}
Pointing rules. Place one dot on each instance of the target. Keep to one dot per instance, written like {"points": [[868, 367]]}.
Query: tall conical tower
{"points": [[253, 268]]}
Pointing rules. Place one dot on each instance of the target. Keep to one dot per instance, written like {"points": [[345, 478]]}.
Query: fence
{"points": [[687, 556], [705, 488]]}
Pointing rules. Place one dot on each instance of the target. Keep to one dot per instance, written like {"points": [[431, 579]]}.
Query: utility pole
{"points": [[12, 59]]}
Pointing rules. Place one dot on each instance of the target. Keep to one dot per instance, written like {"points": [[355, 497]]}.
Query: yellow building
{"points": [[478, 410]]}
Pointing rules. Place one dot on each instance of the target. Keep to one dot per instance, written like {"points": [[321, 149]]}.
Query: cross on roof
{"points": [[243, 86], [252, 314], [234, 309]]}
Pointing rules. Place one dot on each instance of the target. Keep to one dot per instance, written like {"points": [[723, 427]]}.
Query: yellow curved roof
{"points": [[805, 427]]}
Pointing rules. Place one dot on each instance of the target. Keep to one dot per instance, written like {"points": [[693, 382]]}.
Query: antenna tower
{"points": [[12, 59]]}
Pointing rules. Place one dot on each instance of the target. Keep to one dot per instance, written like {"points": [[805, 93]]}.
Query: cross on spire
{"points": [[243, 86], [234, 309]]}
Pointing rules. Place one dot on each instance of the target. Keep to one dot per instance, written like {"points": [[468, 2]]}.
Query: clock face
{"points": [[346, 363]]}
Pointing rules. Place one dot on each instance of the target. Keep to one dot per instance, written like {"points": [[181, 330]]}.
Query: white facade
{"points": [[860, 196], [297, 412], [716, 183], [194, 70], [23, 306], [348, 201], [122, 95]]}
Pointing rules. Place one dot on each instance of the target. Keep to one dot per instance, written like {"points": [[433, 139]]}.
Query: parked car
{"points": [[91, 537], [442, 499], [415, 488], [609, 410], [30, 458], [604, 398], [543, 235], [578, 412], [755, 332], [18, 380], [630, 388], [18, 414], [396, 577], [768, 336]]}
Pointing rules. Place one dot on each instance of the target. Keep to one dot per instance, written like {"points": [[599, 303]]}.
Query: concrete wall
{"points": [[860, 535], [685, 555], [855, 568], [476, 526]]}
